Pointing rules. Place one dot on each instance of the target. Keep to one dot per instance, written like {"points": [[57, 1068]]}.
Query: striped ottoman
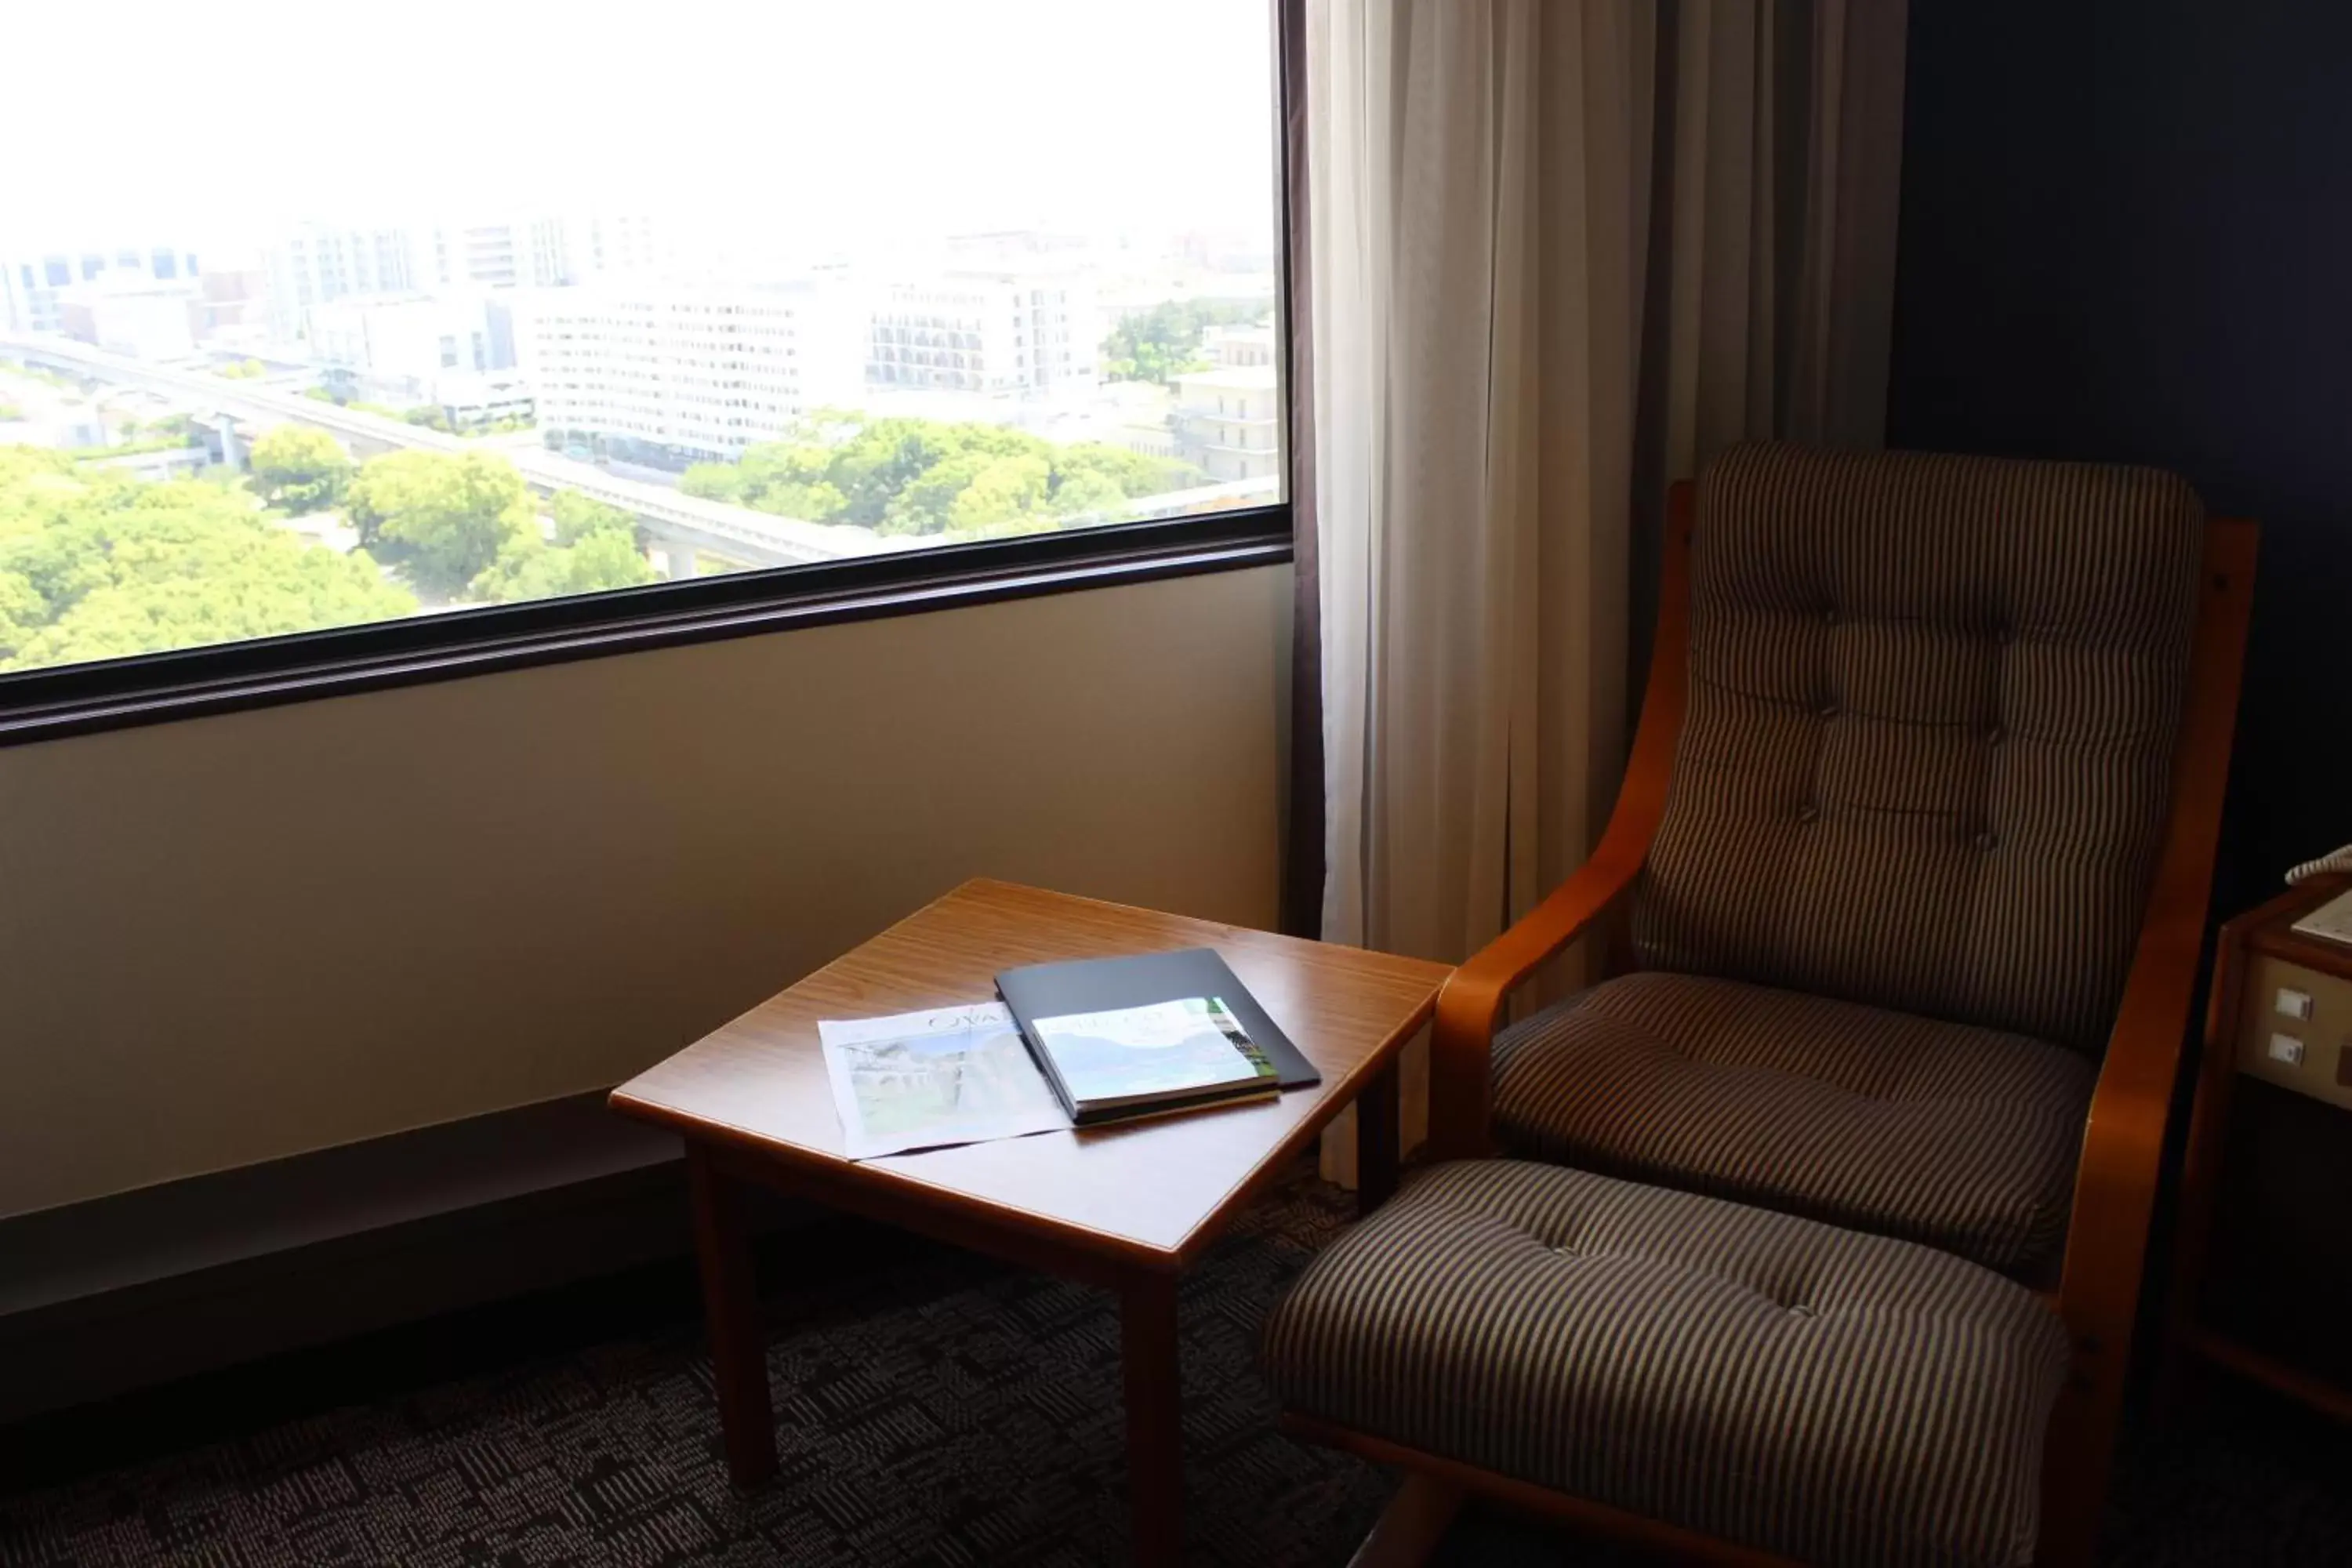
{"points": [[1812, 1391]]}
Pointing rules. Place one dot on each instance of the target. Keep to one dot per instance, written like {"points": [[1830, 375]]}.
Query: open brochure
{"points": [[923, 1080]]}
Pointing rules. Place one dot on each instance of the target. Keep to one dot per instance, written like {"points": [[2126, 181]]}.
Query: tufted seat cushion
{"points": [[1829, 1396], [1962, 1138]]}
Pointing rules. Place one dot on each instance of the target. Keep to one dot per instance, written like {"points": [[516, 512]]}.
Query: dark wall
{"points": [[2128, 235]]}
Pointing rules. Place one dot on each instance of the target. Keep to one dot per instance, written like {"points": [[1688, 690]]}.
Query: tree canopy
{"points": [[928, 477], [300, 468], [595, 548], [98, 564], [440, 520], [1163, 343]]}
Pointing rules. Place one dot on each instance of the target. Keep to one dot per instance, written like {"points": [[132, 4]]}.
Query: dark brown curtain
{"points": [[1302, 869]]}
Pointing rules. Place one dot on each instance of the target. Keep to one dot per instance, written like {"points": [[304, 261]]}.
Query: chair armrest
{"points": [[1461, 1088], [1460, 1098], [2123, 1143]]}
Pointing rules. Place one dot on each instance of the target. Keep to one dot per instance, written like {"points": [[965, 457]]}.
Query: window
{"points": [[429, 409]]}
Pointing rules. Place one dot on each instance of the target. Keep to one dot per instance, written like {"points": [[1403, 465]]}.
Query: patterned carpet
{"points": [[937, 1409]]}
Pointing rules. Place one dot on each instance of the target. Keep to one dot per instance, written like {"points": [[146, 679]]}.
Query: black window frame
{"points": [[256, 672]]}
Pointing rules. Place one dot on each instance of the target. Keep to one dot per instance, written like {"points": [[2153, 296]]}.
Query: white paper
{"points": [[924, 1081], [2332, 920]]}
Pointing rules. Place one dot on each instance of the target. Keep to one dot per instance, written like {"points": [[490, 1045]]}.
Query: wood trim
{"points": [[2131, 1110], [2278, 939], [2292, 1382], [730, 1305], [2209, 1120], [1153, 1395], [1461, 1090], [1671, 1542], [1412, 1526], [973, 1223]]}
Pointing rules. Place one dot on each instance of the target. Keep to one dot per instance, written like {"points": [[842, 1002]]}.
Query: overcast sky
{"points": [[811, 123]]}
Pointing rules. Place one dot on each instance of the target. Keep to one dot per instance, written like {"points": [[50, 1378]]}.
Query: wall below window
{"points": [[2127, 235], [238, 938]]}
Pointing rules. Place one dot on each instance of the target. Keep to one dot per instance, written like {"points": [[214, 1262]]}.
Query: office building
{"points": [[319, 263], [126, 312], [1006, 315], [686, 372], [400, 348], [31, 283]]}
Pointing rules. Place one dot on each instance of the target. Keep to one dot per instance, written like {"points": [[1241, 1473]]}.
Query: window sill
{"points": [[46, 704]]}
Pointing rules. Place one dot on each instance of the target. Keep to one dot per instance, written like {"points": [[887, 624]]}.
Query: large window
{"points": [[332, 317]]}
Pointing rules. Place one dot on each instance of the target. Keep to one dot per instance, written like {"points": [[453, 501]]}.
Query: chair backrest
{"points": [[1929, 731]]}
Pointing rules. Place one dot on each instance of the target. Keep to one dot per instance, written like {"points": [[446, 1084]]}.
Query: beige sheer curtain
{"points": [[1561, 251]]}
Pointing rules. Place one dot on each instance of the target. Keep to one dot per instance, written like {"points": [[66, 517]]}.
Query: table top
{"points": [[2269, 928], [1150, 1192]]}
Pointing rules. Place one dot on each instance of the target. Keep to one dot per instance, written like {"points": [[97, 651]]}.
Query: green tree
{"points": [[928, 477], [713, 482], [98, 565], [441, 520], [596, 547], [535, 570], [578, 517], [1007, 495], [1161, 344], [300, 468]]}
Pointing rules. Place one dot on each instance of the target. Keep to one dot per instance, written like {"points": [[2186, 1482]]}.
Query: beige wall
{"points": [[235, 938]]}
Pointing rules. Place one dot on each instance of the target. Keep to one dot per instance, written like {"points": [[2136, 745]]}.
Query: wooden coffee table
{"points": [[1127, 1209]]}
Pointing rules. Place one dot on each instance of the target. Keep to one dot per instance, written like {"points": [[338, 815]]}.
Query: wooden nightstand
{"points": [[2263, 1283]]}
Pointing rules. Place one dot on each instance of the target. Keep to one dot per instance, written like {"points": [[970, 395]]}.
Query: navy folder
{"points": [[1100, 984]]}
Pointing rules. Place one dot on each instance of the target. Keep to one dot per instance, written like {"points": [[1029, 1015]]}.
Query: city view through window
{"points": [[337, 314]]}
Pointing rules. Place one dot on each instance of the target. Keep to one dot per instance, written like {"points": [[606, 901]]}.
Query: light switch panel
{"points": [[2294, 1027]]}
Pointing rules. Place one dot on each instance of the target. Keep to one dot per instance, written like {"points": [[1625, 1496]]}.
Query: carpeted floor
{"points": [[937, 1409]]}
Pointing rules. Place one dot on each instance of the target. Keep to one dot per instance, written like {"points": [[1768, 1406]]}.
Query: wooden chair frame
{"points": [[2115, 1183]]}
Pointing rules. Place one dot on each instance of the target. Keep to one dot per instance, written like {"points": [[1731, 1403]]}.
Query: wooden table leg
{"points": [[730, 1303], [1155, 1434], [1376, 1138]]}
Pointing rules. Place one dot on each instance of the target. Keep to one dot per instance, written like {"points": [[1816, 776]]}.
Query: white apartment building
{"points": [[402, 348], [1229, 421], [320, 263], [1234, 347], [127, 313], [1027, 328], [31, 284], [674, 371]]}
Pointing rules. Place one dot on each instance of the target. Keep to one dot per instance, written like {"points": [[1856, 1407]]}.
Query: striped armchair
{"points": [[1818, 1231]]}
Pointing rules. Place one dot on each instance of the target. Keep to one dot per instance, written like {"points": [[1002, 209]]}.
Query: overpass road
{"points": [[740, 533]]}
